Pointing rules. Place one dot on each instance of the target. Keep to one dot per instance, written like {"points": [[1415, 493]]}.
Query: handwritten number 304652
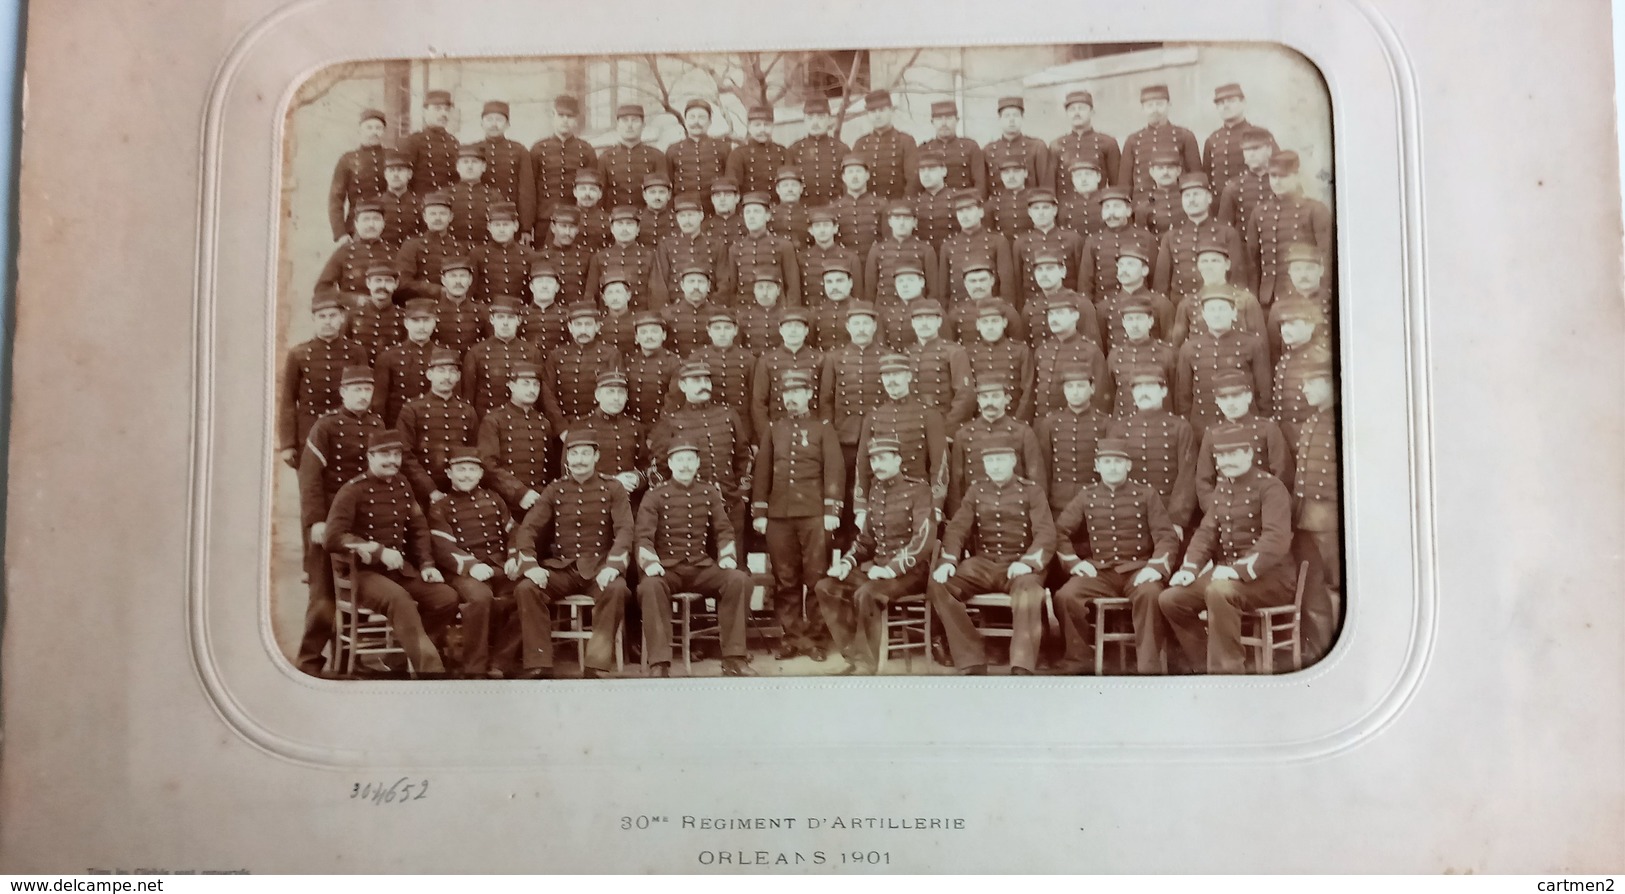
{"points": [[402, 790]]}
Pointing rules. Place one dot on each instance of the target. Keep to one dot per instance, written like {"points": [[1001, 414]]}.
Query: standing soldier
{"points": [[515, 441], [756, 164], [857, 211], [402, 373], [589, 194], [890, 152], [433, 149], [698, 158], [829, 317], [469, 531], [934, 200], [759, 323], [632, 258], [502, 265], [1097, 271], [680, 253], [556, 159], [888, 560], [403, 208], [1315, 499], [625, 164], [508, 168], [920, 430], [1303, 345], [657, 220], [1135, 349], [991, 424], [650, 369], [622, 440], [1012, 145], [731, 365], [1234, 394], [375, 520], [974, 243], [1066, 345], [897, 313], [978, 297], [793, 354], [718, 432], [899, 247], [819, 155], [346, 268], [676, 524], [334, 453], [849, 389], [378, 323], [1049, 274], [1044, 237], [1306, 274], [1158, 208], [572, 371], [725, 224], [1068, 435], [964, 165], [1114, 540], [790, 219], [1251, 187], [1222, 151], [1082, 144], [1161, 446], [419, 257], [1009, 519], [569, 254], [488, 364], [1207, 354], [471, 199], [798, 490], [577, 539], [310, 376], [460, 321], [1176, 274], [1247, 537], [1132, 267], [995, 356], [1080, 209], [688, 318], [433, 424], [358, 175], [1007, 207], [941, 368], [756, 249], [543, 323], [1288, 218], [1213, 269], [821, 253], [1158, 135]]}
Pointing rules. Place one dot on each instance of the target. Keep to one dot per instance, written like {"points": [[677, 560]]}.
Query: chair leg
{"points": [[1266, 658], [687, 636], [1100, 640]]}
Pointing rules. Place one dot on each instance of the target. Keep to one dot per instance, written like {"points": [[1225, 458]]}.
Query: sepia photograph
{"points": [[908, 361]]}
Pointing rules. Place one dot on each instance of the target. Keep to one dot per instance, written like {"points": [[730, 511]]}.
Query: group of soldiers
{"points": [[900, 368]]}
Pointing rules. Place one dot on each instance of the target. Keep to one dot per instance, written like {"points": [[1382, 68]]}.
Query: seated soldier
{"points": [[1114, 539], [470, 537], [888, 560], [1010, 521], [676, 521]]}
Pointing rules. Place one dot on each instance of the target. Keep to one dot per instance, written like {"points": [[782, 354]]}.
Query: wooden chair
{"points": [[578, 628], [357, 631], [906, 629], [694, 617], [1276, 627], [981, 602], [1106, 619]]}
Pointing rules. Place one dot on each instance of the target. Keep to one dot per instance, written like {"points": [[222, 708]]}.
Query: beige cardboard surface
{"points": [[127, 693]]}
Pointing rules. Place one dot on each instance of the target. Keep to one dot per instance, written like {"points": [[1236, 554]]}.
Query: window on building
{"points": [[826, 73]]}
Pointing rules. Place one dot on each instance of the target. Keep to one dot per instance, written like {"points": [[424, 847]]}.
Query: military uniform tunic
{"points": [[719, 434], [965, 467], [380, 510], [753, 250], [724, 231], [1067, 440], [790, 221], [921, 432], [335, 452], [1090, 324], [829, 326], [935, 218], [469, 528], [471, 212], [572, 262], [1273, 226], [1050, 356], [1030, 151], [1125, 358], [595, 232], [401, 375], [1087, 144], [1097, 270], [310, 386], [758, 328], [981, 244], [346, 268], [813, 258], [571, 379], [623, 444], [687, 325], [638, 261], [799, 471], [755, 165], [403, 216], [1248, 528], [679, 250], [431, 426], [589, 524], [649, 377], [434, 159], [1002, 523], [1245, 193], [820, 161], [678, 523], [624, 168], [555, 161], [1134, 171], [1007, 213], [695, 162], [655, 224], [893, 161], [1110, 314], [509, 171], [1291, 408], [375, 329], [1033, 242], [545, 327], [1080, 214], [516, 444], [359, 174], [942, 380], [459, 324], [858, 221], [765, 405], [1005, 359], [1159, 210], [849, 388], [1249, 316], [890, 253], [733, 372], [967, 166], [1162, 448], [1175, 274], [1204, 356], [500, 268], [1122, 529], [487, 366], [616, 330], [1221, 153], [419, 258], [900, 531]]}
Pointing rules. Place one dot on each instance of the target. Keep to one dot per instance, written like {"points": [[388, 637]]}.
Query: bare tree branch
{"points": [[653, 62]]}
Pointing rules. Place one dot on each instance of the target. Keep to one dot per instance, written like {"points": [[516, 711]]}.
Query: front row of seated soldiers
{"points": [[1113, 538]]}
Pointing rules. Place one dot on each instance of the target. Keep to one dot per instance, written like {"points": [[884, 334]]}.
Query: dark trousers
{"points": [[1219, 646], [731, 589], [319, 614], [977, 575], [418, 612], [536, 616], [490, 622], [847, 533], [798, 549], [855, 611], [1150, 632]]}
